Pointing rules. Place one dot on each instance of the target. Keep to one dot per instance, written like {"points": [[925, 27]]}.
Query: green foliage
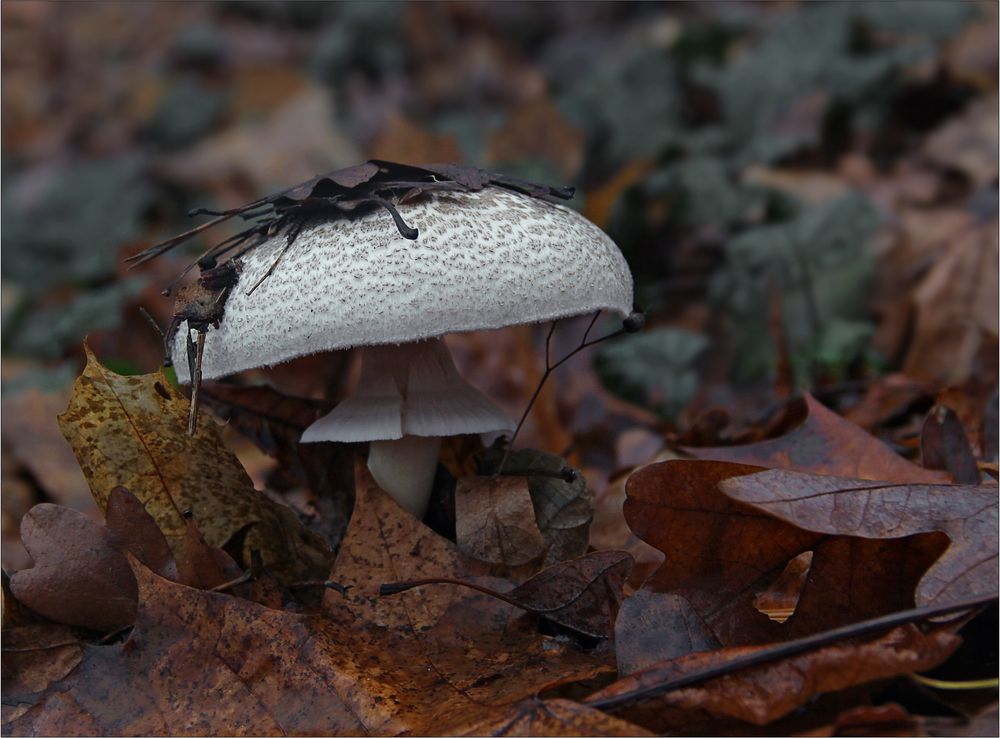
{"points": [[655, 368], [822, 267], [66, 228]]}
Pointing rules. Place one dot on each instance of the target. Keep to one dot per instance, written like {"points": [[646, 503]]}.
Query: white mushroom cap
{"points": [[483, 260]]}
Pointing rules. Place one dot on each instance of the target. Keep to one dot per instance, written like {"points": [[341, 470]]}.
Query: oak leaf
{"points": [[131, 432]]}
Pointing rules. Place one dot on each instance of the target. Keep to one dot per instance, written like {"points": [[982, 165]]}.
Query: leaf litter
{"points": [[758, 202]]}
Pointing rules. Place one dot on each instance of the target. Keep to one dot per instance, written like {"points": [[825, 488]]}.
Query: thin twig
{"points": [[790, 648], [243, 578], [196, 384], [630, 325]]}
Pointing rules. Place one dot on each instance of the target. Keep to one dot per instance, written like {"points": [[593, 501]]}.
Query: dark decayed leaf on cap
{"points": [[858, 508], [495, 521], [824, 443], [763, 693], [720, 553], [563, 509], [943, 445], [132, 432], [582, 595]]}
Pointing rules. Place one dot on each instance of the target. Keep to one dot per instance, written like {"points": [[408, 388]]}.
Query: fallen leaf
{"points": [[132, 432], [764, 693], [563, 510], [968, 142], [495, 521], [485, 648], [883, 720], [720, 554], [79, 577], [956, 306], [824, 443], [537, 129], [401, 140], [582, 595], [34, 656], [554, 717], [943, 445], [654, 627], [31, 436], [858, 508]]}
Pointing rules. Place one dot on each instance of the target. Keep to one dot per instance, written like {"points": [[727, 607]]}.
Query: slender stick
{"points": [[196, 385], [790, 648], [550, 367]]}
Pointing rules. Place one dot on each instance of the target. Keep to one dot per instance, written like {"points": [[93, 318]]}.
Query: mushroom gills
{"points": [[408, 398]]}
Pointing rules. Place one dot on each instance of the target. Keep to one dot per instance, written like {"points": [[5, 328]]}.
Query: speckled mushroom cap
{"points": [[484, 259]]}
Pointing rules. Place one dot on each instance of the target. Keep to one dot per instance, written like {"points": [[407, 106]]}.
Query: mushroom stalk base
{"points": [[405, 468]]}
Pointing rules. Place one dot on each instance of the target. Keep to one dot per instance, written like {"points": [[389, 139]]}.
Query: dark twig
{"points": [[325, 583], [631, 324], [152, 321], [196, 384], [790, 648], [247, 576]]}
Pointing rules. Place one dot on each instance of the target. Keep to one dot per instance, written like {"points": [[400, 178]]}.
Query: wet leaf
{"points": [[582, 595], [132, 432], [858, 508], [554, 717], [34, 656], [943, 445], [79, 577], [720, 553], [486, 649], [563, 510], [824, 443], [764, 693], [495, 521], [654, 627]]}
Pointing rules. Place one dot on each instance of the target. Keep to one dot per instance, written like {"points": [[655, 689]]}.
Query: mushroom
{"points": [[484, 259]]}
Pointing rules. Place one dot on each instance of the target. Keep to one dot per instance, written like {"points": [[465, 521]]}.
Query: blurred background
{"points": [[806, 193]]}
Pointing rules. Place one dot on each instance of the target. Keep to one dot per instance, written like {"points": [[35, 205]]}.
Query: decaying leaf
{"points": [[79, 576], [824, 443], [653, 626], [944, 445], [554, 717], [495, 521], [131, 432], [764, 693], [720, 553], [563, 510], [582, 595], [34, 656], [858, 508], [486, 649]]}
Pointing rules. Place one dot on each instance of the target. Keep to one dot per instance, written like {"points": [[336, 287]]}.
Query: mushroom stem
{"points": [[405, 468]]}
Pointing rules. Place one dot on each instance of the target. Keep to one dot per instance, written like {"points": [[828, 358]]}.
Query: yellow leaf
{"points": [[132, 431]]}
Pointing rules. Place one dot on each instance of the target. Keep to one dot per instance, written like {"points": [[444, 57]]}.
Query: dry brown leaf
{"points": [[495, 521], [537, 129], [653, 626], [957, 306], [764, 693], [79, 577], [968, 141], [858, 508], [824, 443], [401, 140], [132, 432], [487, 650], [31, 436]]}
